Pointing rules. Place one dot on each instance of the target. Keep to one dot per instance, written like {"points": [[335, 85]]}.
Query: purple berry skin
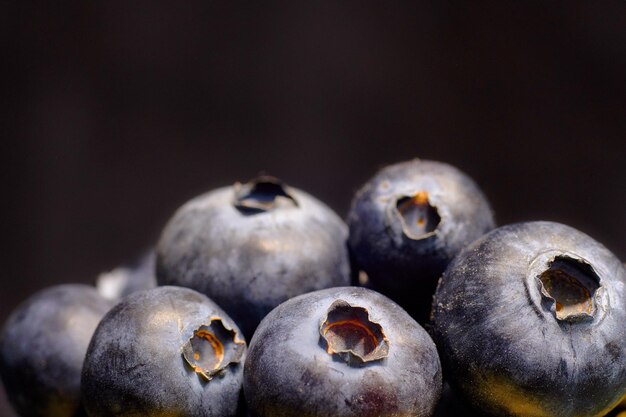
{"points": [[42, 348], [341, 352], [251, 246], [168, 351], [408, 222], [127, 279], [530, 320]]}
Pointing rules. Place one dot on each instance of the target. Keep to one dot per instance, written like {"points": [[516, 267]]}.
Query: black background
{"points": [[114, 114]]}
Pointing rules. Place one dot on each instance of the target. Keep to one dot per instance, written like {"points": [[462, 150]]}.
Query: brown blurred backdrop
{"points": [[113, 115]]}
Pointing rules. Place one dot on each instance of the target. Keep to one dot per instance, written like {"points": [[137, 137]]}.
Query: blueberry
{"points": [[529, 320], [250, 247], [42, 348], [341, 352], [125, 280], [166, 351], [408, 222]]}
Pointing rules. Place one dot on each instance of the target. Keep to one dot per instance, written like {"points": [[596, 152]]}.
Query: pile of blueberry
{"points": [[527, 319]]}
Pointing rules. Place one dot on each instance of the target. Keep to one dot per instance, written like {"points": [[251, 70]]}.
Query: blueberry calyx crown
{"points": [[262, 194], [419, 218], [212, 348], [569, 289], [348, 333]]}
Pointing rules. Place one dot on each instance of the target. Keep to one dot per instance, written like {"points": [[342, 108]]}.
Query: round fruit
{"points": [[408, 222], [168, 351], [42, 348], [529, 321], [341, 352], [250, 247]]}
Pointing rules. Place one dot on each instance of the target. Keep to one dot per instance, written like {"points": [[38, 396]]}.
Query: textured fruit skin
{"points": [[127, 279], [248, 263], [504, 348], [134, 365], [289, 373], [42, 348], [398, 265]]}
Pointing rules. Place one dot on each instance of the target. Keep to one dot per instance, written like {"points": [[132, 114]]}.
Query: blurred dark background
{"points": [[114, 114]]}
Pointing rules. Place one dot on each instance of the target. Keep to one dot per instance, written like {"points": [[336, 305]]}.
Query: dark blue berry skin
{"points": [[125, 280], [141, 359], [42, 348], [530, 321], [408, 222], [289, 371], [250, 247]]}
